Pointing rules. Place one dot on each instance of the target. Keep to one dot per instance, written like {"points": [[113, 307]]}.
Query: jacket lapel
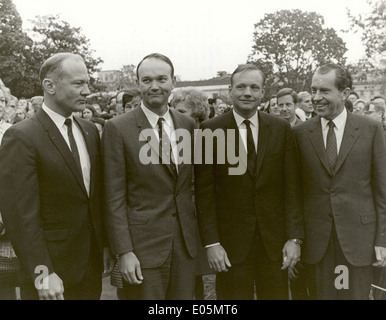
{"points": [[316, 137], [61, 145], [263, 141], [350, 135]]}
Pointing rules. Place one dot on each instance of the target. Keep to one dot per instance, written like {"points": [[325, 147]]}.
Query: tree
{"points": [[17, 68], [373, 27], [55, 35], [290, 44]]}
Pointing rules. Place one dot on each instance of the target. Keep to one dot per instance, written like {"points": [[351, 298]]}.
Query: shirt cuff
{"points": [[212, 245]]}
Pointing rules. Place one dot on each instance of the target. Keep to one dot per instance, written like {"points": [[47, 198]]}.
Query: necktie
{"points": [[165, 147], [331, 146], [74, 148], [251, 152]]}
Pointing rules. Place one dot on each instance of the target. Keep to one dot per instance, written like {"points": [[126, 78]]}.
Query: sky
{"points": [[201, 37]]}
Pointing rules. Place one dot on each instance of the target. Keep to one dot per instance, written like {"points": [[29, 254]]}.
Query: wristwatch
{"points": [[297, 241]]}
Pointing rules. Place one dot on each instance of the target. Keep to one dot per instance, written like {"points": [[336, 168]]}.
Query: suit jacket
{"points": [[144, 201], [354, 197], [45, 207], [229, 207]]}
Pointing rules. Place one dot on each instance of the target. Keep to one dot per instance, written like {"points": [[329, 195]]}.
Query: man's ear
{"points": [[346, 93], [49, 85]]}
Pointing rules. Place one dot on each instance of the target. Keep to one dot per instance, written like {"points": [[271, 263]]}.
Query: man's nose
{"points": [[154, 85], [86, 91]]}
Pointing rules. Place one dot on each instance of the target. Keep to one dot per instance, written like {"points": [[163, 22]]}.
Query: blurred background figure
{"points": [[376, 112], [305, 110], [37, 103], [131, 99], [349, 105], [287, 100], [4, 99], [273, 107], [359, 106], [191, 102], [89, 113], [353, 96]]}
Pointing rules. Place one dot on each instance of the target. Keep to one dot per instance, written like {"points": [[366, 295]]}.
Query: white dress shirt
{"points": [[79, 139], [340, 124], [168, 125], [243, 128]]}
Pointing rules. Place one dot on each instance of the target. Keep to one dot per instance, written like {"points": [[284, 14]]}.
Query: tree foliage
{"points": [[22, 54], [372, 25], [290, 44]]}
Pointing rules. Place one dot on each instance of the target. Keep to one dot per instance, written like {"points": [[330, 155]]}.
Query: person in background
{"points": [[359, 107], [273, 107], [305, 110], [287, 100], [353, 96]]}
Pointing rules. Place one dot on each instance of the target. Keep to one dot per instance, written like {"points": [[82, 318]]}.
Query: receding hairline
{"points": [[53, 66]]}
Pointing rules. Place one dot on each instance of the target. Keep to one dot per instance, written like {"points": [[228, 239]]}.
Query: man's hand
{"points": [[108, 261], [291, 254], [130, 268], [218, 258], [380, 254], [55, 288]]}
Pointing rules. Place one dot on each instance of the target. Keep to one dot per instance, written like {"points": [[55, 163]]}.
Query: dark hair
{"points": [[288, 91], [52, 67], [129, 95], [343, 77], [349, 105], [379, 97], [354, 93], [247, 67], [91, 108], [158, 56]]}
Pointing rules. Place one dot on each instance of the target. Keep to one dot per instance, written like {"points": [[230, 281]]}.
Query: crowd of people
{"points": [[78, 198]]}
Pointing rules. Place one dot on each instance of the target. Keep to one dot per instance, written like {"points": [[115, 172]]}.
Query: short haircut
{"points": [[303, 95], [52, 67], [343, 78], [158, 56], [379, 97], [354, 93], [288, 91], [247, 67], [377, 108]]}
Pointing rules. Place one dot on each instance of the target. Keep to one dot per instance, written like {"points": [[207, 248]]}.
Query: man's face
{"points": [[221, 108], [2, 104], [274, 108], [246, 92], [327, 99], [87, 114], [352, 97], [306, 104], [373, 114], [287, 107], [71, 89], [155, 83], [22, 104], [380, 103], [359, 108]]}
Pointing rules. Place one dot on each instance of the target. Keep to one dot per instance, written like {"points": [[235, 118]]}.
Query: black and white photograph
{"points": [[206, 152]]}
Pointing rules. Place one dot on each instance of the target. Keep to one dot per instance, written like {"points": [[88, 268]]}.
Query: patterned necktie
{"points": [[251, 152], [165, 147], [74, 148], [331, 146]]}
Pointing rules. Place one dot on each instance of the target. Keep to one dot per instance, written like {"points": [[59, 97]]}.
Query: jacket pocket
{"points": [[368, 218], [135, 219], [56, 235]]}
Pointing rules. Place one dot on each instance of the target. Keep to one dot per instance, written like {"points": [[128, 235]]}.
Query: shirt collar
{"points": [[239, 119], [153, 117], [57, 118], [339, 121]]}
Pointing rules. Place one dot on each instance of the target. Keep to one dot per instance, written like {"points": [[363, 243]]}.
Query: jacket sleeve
{"points": [[115, 190], [20, 201]]}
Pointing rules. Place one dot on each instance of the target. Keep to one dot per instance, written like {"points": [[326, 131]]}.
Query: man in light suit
{"points": [[342, 158], [251, 222], [150, 214], [51, 189]]}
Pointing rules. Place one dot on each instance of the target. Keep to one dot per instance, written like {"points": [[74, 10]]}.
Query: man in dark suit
{"points": [[342, 158], [250, 221], [151, 218], [287, 100], [50, 189]]}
